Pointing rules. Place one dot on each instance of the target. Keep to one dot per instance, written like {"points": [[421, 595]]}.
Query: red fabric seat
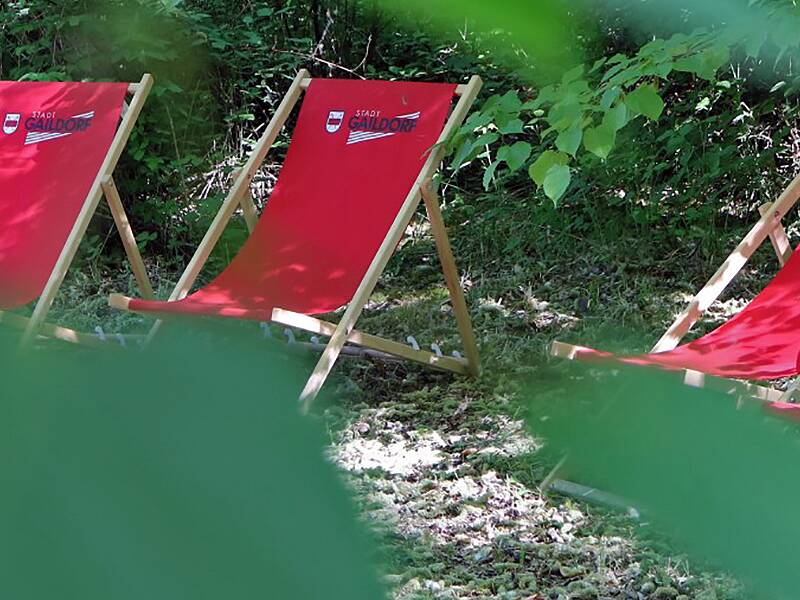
{"points": [[357, 149], [761, 342], [53, 141]]}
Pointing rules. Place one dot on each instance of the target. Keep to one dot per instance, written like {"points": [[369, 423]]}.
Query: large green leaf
{"points": [[570, 139], [514, 155], [572, 75], [507, 127], [563, 114], [557, 181], [616, 118], [704, 64], [644, 100], [548, 159], [599, 140], [488, 174]]}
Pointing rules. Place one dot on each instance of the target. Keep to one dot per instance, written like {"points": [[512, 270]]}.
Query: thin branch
{"points": [[323, 61]]}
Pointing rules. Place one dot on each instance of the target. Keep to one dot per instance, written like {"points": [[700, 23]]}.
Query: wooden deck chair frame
{"points": [[768, 226], [103, 186], [343, 332]]}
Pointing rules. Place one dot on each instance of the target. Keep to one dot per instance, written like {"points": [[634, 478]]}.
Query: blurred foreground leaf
{"points": [[179, 472], [718, 477]]}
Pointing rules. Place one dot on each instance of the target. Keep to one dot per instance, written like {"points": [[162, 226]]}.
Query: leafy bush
{"points": [[676, 127]]}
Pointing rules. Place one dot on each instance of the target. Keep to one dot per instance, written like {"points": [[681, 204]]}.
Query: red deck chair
{"points": [[59, 145], [361, 158], [760, 343]]}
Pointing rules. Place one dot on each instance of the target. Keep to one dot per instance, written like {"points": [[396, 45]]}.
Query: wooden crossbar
{"points": [[66, 334], [461, 89], [366, 340], [690, 377]]}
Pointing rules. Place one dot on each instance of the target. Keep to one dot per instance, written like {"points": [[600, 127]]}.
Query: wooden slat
{"points": [[128, 239], [452, 278], [393, 236], [365, 340], [119, 301], [729, 269], [66, 334], [690, 377], [317, 326], [461, 89], [593, 495], [568, 351], [87, 211], [694, 378], [778, 238]]}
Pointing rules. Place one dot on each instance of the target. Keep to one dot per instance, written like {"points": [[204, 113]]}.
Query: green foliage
{"points": [[221, 68], [587, 107], [647, 129]]}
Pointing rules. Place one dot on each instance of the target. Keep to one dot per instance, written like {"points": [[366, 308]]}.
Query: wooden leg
{"points": [[314, 325], [594, 496], [128, 239], [356, 306], [552, 475], [452, 278], [248, 206], [778, 238]]}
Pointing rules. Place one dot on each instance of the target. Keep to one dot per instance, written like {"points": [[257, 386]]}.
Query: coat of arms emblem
{"points": [[11, 122], [335, 120]]}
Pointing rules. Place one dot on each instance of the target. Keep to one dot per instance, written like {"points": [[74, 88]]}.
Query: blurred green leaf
{"points": [[599, 140], [177, 486], [644, 100]]}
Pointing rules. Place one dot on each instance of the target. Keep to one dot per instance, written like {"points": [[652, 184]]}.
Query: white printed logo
{"points": [[374, 127], [43, 129], [335, 120], [11, 122]]}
